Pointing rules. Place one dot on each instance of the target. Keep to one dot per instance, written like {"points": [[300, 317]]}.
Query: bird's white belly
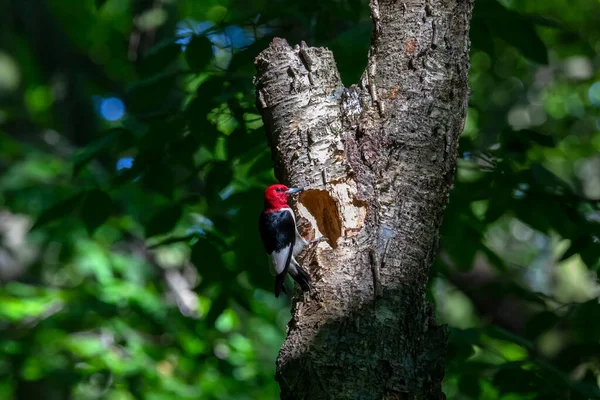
{"points": [[278, 259]]}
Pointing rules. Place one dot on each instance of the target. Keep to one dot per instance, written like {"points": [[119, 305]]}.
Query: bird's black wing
{"points": [[278, 234], [277, 229]]}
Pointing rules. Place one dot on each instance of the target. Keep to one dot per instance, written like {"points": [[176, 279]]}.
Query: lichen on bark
{"points": [[379, 160]]}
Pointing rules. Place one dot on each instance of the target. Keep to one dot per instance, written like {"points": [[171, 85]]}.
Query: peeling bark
{"points": [[378, 159]]}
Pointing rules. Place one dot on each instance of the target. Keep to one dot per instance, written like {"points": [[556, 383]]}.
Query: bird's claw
{"points": [[321, 239]]}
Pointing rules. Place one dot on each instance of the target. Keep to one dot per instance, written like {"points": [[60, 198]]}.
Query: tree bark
{"points": [[378, 159]]}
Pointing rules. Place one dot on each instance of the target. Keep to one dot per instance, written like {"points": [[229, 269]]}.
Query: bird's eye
{"points": [[278, 190]]}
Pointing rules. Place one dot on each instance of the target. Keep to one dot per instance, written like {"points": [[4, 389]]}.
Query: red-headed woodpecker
{"points": [[281, 239]]}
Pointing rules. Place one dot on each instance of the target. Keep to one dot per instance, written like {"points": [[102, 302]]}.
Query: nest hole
{"points": [[323, 209]]}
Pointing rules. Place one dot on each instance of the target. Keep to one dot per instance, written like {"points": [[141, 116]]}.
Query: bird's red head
{"points": [[276, 197]]}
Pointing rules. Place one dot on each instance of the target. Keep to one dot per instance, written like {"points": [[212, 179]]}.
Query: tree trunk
{"points": [[379, 160]]}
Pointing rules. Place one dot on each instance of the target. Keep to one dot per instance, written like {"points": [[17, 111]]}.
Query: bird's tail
{"points": [[301, 276], [280, 284]]}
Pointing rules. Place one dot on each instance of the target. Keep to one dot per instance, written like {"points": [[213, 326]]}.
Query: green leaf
{"points": [[461, 342], [540, 323], [591, 256], [206, 256], [469, 386], [586, 321], [203, 131], [493, 258], [217, 178], [173, 239], [513, 28], [207, 98], [95, 209], [243, 299], [99, 3], [463, 246], [515, 380], [536, 218], [159, 178], [263, 164], [198, 53], [545, 177], [213, 91], [497, 207], [535, 209], [159, 57], [150, 94], [500, 196], [480, 36], [155, 143], [241, 144], [519, 142], [182, 151], [578, 245], [470, 336], [538, 138], [216, 309], [351, 48], [108, 138], [243, 60], [129, 174], [522, 35], [503, 334], [59, 211], [164, 220]]}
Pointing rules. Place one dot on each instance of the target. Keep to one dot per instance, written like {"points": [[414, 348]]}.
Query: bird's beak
{"points": [[293, 190]]}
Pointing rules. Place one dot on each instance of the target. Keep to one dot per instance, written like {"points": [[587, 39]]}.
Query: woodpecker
{"points": [[277, 226]]}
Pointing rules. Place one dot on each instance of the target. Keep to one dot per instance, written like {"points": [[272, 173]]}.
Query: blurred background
{"points": [[132, 165]]}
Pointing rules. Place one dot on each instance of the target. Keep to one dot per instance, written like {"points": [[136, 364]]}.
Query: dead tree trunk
{"points": [[379, 158]]}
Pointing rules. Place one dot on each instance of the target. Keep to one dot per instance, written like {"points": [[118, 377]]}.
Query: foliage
{"points": [[134, 160]]}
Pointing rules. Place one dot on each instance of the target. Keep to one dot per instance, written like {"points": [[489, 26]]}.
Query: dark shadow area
{"points": [[388, 349]]}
